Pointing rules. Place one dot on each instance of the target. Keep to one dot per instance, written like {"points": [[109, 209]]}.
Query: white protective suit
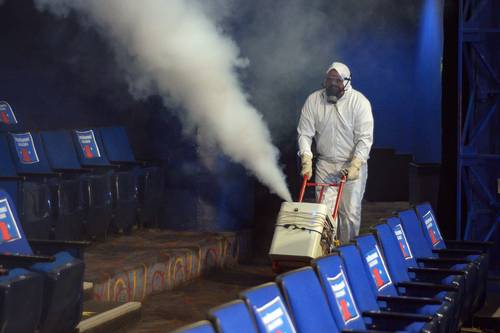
{"points": [[342, 131]]}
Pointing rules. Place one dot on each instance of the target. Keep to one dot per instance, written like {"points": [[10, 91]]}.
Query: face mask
{"points": [[333, 93]]}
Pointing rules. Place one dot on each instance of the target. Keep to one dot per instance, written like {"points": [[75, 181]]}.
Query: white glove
{"points": [[306, 166], [352, 171]]}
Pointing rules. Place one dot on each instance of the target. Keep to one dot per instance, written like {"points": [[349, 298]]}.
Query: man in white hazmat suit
{"points": [[340, 120]]}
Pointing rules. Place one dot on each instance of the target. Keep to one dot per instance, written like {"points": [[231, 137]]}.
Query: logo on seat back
{"points": [[8, 226], [275, 317], [432, 228], [377, 267], [7, 115], [25, 148], [343, 297], [403, 243], [88, 144]]}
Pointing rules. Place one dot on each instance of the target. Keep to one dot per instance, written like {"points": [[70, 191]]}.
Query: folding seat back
{"points": [[395, 226], [427, 218], [269, 309], [9, 180], [12, 234], [375, 266], [203, 326], [233, 317], [8, 120], [60, 150], [307, 301], [116, 144], [425, 214], [28, 149], [89, 147], [414, 233], [338, 291], [355, 270], [397, 251], [63, 277]]}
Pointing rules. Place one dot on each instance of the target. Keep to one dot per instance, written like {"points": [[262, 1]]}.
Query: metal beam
{"points": [[475, 41]]}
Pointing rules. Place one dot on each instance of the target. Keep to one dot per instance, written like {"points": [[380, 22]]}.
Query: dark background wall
{"points": [[57, 74]]}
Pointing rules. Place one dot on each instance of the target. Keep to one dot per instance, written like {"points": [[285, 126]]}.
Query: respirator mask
{"points": [[335, 88]]}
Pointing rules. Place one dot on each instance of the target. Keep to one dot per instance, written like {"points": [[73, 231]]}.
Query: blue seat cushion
{"points": [[62, 258]]}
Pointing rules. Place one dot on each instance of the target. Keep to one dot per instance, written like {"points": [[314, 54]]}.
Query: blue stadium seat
{"points": [[424, 253], [347, 310], [477, 252], [95, 186], [383, 287], [21, 293], [304, 296], [384, 282], [269, 309], [149, 174], [403, 264], [203, 326], [31, 196], [91, 153], [51, 204], [62, 272], [233, 317]]}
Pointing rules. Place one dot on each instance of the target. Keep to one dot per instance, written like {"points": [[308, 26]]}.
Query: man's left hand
{"points": [[352, 171]]}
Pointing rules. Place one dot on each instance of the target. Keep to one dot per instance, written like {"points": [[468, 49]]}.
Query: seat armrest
{"points": [[347, 330], [455, 252], [428, 286], [436, 271], [397, 315], [409, 299], [463, 244], [76, 248], [128, 163], [11, 177], [23, 260], [37, 175], [149, 160], [72, 171], [443, 260]]}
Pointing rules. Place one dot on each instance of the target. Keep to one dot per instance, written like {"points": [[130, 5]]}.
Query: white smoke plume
{"points": [[173, 49]]}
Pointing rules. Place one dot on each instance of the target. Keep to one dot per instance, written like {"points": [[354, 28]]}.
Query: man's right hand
{"points": [[306, 166]]}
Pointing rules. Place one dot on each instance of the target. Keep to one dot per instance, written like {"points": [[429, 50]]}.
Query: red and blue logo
{"points": [[8, 227], [432, 228], [7, 115], [378, 269], [403, 242], [88, 144], [25, 148], [343, 297]]}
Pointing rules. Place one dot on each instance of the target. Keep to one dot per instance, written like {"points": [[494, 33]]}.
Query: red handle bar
{"points": [[340, 185]]}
